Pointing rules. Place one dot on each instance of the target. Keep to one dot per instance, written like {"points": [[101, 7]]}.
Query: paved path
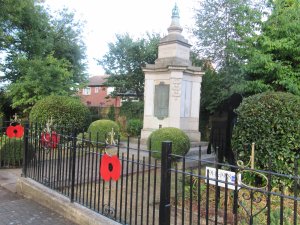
{"points": [[16, 210]]}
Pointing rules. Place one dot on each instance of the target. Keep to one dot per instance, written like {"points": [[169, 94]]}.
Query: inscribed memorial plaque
{"points": [[161, 101]]}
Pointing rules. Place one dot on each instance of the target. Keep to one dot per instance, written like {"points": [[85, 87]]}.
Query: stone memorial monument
{"points": [[172, 86]]}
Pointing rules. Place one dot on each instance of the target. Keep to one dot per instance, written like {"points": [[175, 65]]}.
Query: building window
{"points": [[96, 89], [110, 90], [86, 91]]}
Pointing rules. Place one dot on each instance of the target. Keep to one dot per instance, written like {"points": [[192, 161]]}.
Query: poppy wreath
{"points": [[15, 131], [49, 140], [110, 167]]}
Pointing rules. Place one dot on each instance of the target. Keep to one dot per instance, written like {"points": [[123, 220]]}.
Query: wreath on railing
{"points": [[15, 129], [49, 138]]}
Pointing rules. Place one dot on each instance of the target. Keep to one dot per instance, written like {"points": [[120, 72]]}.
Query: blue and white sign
{"points": [[212, 172]]}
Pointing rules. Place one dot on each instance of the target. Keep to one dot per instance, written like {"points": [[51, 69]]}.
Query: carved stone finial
{"points": [[175, 25], [175, 11]]}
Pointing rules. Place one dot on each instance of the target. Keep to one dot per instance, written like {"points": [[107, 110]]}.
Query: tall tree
{"points": [[275, 61], [40, 49], [125, 59], [224, 29], [68, 43], [10, 16], [41, 77]]}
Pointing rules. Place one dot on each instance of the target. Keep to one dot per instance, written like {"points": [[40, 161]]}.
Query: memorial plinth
{"points": [[172, 86]]}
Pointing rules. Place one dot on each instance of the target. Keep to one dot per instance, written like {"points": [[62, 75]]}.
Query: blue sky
{"points": [[104, 19]]}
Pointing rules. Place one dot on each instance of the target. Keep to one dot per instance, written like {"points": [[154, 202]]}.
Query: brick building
{"points": [[96, 94]]}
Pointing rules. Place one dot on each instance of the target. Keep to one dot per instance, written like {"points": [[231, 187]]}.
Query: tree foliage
{"points": [[10, 16], [132, 110], [275, 59], [224, 29], [37, 79], [125, 59], [6, 105], [40, 50]]}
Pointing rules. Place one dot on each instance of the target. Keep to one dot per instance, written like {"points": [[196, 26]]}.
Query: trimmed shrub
{"points": [[134, 127], [272, 121], [180, 141], [11, 151], [67, 112], [101, 128]]}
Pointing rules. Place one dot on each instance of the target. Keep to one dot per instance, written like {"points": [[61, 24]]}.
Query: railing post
{"points": [[165, 184], [73, 161], [25, 152]]}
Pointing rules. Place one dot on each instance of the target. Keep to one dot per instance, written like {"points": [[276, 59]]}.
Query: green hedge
{"points": [[134, 127], [11, 151], [272, 121], [111, 113], [180, 141], [132, 110], [67, 112], [100, 128]]}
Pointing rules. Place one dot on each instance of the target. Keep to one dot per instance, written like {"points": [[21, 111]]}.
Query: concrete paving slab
{"points": [[17, 210], [6, 196], [8, 178]]}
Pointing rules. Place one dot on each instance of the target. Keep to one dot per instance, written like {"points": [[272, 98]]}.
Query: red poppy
{"points": [[49, 140], [15, 131], [110, 167]]}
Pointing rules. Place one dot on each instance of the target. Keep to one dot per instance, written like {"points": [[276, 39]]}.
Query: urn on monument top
{"points": [[175, 24]]}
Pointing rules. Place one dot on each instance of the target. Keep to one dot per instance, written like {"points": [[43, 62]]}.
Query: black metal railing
{"points": [[158, 191], [72, 169], [206, 195]]}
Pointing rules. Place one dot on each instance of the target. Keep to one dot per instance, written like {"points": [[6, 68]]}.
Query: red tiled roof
{"points": [[97, 80]]}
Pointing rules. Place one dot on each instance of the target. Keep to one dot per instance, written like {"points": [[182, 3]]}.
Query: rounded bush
{"points": [[180, 141], [134, 127], [272, 121], [67, 112], [99, 129]]}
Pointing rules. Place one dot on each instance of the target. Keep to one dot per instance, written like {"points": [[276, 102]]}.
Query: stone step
{"points": [[194, 151], [143, 142], [193, 162], [192, 157], [196, 144]]}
